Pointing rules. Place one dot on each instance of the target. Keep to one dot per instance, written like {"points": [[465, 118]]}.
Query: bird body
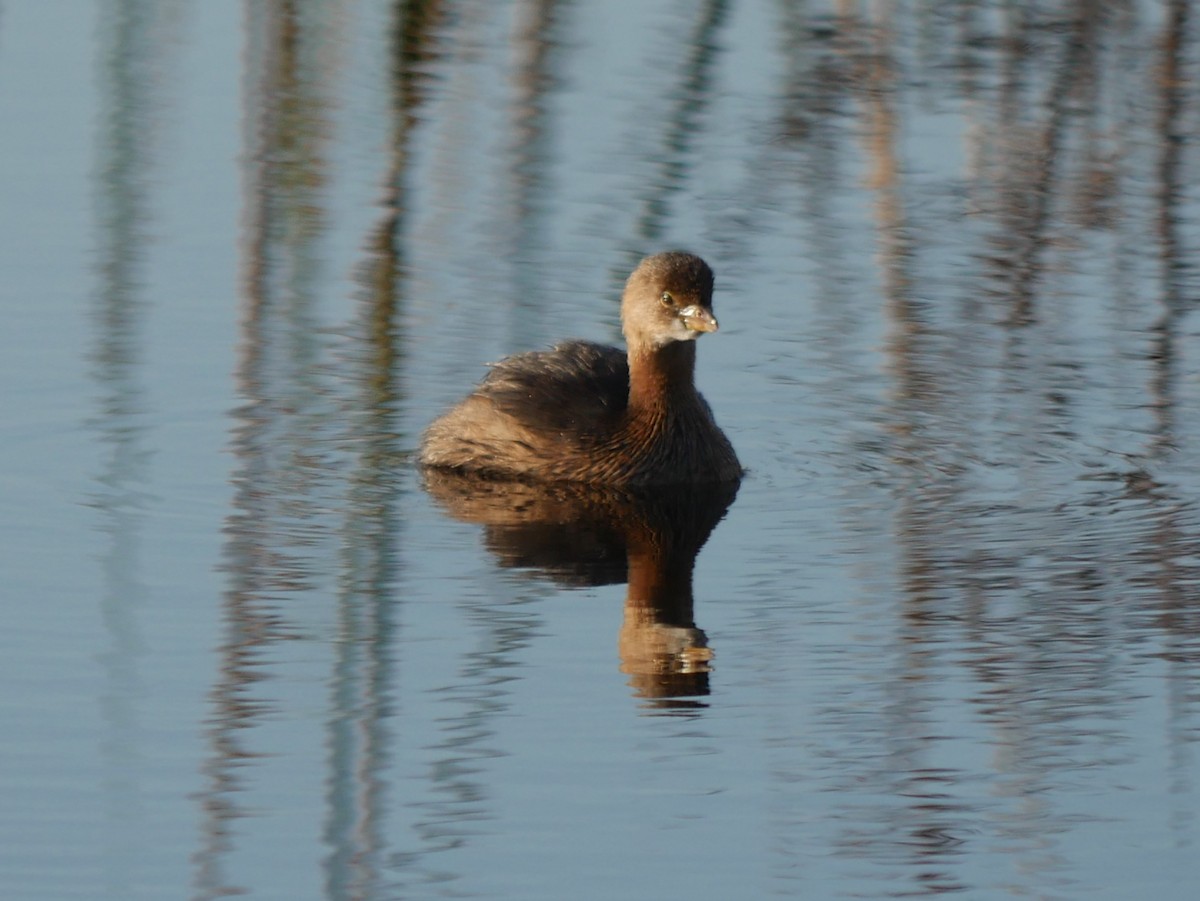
{"points": [[585, 412]]}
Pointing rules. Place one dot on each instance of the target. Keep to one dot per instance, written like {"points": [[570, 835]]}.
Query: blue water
{"points": [[944, 640]]}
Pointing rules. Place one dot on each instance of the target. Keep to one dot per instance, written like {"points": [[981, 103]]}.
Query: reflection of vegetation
{"points": [[134, 65], [364, 672], [684, 123], [1030, 420], [278, 467]]}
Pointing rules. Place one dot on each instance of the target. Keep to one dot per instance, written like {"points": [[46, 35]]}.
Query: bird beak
{"points": [[698, 319]]}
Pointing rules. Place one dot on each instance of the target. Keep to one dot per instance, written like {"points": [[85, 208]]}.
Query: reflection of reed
{"points": [[531, 161], [1172, 83], [458, 783], [275, 475], [130, 41], [587, 535], [905, 312], [1033, 165], [689, 101], [1172, 546], [923, 826], [363, 670]]}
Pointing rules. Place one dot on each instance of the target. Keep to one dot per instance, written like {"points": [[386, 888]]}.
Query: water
{"points": [[944, 640]]}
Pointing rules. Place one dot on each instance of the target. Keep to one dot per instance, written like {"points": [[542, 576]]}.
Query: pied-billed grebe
{"points": [[583, 412]]}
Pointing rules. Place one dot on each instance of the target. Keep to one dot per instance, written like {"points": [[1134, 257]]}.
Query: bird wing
{"points": [[574, 385]]}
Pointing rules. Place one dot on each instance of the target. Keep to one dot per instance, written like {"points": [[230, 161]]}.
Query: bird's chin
{"points": [[657, 340], [680, 332]]}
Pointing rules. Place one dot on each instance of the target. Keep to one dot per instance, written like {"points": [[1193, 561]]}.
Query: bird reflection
{"points": [[581, 535]]}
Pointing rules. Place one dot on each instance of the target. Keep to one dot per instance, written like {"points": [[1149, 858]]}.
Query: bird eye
{"points": [[667, 299]]}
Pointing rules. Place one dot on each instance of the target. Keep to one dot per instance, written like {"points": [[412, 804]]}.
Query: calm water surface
{"points": [[944, 639]]}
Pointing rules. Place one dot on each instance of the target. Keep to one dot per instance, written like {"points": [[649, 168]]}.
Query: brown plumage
{"points": [[584, 412]]}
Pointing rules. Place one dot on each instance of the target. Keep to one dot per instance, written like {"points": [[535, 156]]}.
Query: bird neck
{"points": [[661, 377]]}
